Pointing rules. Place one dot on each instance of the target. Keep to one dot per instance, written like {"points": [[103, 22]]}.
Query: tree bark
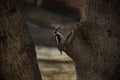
{"points": [[94, 44], [17, 54]]}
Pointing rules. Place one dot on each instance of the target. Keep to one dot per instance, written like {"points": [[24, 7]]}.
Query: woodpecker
{"points": [[59, 38]]}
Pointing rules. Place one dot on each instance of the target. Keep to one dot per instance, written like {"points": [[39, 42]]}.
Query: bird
{"points": [[59, 39]]}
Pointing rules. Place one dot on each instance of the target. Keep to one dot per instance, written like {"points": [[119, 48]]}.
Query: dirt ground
{"points": [[55, 66]]}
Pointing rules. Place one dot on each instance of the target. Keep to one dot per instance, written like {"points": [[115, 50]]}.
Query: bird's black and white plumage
{"points": [[59, 39]]}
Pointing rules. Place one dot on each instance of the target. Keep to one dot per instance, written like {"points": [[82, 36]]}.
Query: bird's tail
{"points": [[61, 52]]}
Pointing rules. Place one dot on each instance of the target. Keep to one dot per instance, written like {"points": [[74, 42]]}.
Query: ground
{"points": [[55, 66]]}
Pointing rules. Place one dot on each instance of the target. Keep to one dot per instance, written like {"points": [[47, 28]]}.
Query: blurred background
{"points": [[41, 15]]}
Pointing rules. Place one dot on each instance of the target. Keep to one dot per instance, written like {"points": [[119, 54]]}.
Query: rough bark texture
{"points": [[94, 44], [17, 54]]}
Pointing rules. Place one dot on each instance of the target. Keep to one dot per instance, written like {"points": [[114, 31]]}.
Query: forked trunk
{"points": [[95, 43]]}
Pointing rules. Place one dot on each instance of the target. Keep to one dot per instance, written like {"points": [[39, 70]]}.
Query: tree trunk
{"points": [[17, 54], [94, 44]]}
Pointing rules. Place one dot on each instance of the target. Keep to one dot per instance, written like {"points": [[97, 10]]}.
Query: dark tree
{"points": [[94, 44], [17, 54]]}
